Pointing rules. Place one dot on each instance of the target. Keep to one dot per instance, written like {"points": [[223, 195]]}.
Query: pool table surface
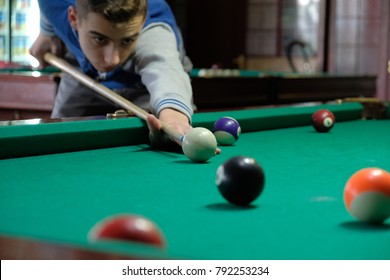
{"points": [[58, 179]]}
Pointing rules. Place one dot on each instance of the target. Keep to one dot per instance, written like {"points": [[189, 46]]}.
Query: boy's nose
{"points": [[111, 57]]}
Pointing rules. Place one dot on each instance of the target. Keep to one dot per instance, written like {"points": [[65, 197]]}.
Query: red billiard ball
{"points": [[127, 227], [323, 120], [367, 195], [227, 130], [240, 180]]}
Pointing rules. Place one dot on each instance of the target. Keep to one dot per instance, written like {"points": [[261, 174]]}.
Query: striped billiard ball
{"points": [[367, 195], [227, 130], [323, 120]]}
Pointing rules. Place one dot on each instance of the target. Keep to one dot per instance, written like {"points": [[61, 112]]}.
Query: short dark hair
{"points": [[117, 11]]}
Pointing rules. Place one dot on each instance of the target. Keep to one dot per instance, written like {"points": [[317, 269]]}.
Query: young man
{"points": [[131, 46]]}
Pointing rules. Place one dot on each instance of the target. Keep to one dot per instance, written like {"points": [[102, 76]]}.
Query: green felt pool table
{"points": [[58, 179]]}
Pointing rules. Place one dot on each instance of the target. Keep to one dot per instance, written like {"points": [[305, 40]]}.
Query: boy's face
{"points": [[105, 44]]}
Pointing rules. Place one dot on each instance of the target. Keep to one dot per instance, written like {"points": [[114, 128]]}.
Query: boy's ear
{"points": [[72, 17]]}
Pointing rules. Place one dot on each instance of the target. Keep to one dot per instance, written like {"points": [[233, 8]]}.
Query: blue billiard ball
{"points": [[226, 130]]}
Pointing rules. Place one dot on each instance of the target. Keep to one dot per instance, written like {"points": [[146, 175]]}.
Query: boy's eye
{"points": [[128, 41], [99, 39]]}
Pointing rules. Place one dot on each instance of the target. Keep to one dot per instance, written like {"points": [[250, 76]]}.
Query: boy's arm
{"points": [[158, 62], [161, 69], [46, 41]]}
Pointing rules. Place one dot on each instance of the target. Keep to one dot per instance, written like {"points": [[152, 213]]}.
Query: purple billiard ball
{"points": [[226, 130]]}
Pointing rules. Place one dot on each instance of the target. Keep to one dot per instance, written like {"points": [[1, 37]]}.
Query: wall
{"points": [[355, 43], [273, 24]]}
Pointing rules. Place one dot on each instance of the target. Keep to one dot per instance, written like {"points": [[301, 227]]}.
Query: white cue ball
{"points": [[199, 144]]}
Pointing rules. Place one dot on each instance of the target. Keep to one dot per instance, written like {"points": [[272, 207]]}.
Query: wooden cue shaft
{"points": [[359, 99], [108, 93]]}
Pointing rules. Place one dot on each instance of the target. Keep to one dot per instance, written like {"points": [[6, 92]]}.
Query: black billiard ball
{"points": [[127, 227], [323, 120], [240, 180], [227, 130]]}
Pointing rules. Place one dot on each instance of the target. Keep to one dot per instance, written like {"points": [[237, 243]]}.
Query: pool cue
{"points": [[359, 99], [109, 94]]}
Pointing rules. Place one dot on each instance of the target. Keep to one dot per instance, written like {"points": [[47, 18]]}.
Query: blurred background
{"points": [[19, 26], [298, 51], [334, 36]]}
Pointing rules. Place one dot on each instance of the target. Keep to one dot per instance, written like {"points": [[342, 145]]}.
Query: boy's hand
{"points": [[173, 118], [44, 44]]}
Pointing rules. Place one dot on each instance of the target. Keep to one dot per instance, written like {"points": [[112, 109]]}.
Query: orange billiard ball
{"points": [[323, 120], [367, 195], [127, 227]]}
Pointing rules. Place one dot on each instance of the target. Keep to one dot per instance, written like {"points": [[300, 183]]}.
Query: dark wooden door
{"points": [[215, 32]]}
